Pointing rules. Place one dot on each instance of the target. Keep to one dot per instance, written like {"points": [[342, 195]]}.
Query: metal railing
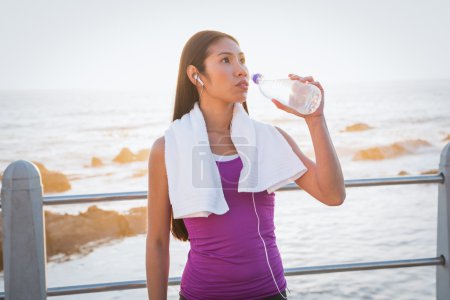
{"points": [[22, 197]]}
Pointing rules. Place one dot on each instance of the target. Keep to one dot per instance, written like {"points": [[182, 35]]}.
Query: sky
{"points": [[136, 45]]}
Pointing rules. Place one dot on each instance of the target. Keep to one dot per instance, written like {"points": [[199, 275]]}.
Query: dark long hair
{"points": [[194, 53]]}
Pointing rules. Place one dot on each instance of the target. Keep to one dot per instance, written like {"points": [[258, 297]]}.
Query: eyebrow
{"points": [[228, 53]]}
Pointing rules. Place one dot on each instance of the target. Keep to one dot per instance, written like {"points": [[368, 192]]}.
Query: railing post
{"points": [[24, 258], [443, 227]]}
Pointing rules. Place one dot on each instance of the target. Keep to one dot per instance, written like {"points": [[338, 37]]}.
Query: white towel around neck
{"points": [[195, 187]]}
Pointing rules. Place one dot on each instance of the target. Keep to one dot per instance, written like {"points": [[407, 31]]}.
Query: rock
{"points": [[393, 150], [137, 220], [66, 234], [143, 155], [432, 171], [78, 234], [96, 162], [125, 156], [378, 153], [53, 182], [402, 173], [357, 127]]}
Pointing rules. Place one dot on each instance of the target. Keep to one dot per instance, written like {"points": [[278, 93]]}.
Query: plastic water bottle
{"points": [[303, 97]]}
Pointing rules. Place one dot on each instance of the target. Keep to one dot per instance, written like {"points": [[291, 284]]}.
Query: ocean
{"points": [[379, 129]]}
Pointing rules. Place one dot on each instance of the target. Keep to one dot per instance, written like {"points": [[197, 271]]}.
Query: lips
{"points": [[243, 84]]}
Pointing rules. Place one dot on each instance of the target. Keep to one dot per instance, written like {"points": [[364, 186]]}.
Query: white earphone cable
{"points": [[265, 249]]}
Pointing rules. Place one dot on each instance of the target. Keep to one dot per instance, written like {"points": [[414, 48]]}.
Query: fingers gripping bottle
{"points": [[303, 97]]}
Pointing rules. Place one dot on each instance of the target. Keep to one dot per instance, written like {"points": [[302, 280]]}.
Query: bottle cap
{"points": [[256, 77]]}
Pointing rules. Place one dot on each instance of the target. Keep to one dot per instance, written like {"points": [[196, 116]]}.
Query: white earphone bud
{"points": [[198, 78]]}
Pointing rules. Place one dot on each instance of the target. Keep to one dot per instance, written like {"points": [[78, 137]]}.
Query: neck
{"points": [[217, 115]]}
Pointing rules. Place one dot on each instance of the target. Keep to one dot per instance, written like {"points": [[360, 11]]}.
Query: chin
{"points": [[242, 99]]}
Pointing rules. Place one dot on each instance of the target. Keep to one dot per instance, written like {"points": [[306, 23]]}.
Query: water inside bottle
{"points": [[302, 97]]}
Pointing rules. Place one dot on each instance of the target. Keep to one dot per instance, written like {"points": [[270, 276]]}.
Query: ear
{"points": [[190, 72]]}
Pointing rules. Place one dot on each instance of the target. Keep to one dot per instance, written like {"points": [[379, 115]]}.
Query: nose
{"points": [[242, 71]]}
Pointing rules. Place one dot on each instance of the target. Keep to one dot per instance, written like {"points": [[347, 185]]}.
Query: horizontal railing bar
{"points": [[399, 180], [173, 281], [418, 262], [124, 196], [88, 198]]}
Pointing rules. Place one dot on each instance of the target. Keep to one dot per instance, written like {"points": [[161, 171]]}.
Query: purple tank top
{"points": [[227, 259]]}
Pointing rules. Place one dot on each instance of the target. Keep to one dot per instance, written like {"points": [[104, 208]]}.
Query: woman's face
{"points": [[227, 72]]}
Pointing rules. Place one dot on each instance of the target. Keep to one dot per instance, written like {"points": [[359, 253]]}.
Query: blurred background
{"points": [[87, 86]]}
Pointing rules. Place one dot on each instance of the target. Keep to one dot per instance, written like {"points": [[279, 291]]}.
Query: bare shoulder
{"points": [[158, 147], [158, 144]]}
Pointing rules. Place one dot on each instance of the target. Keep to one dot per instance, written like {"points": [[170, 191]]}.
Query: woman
{"points": [[226, 261]]}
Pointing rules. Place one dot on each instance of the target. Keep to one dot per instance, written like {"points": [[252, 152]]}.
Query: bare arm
{"points": [[324, 180], [158, 224]]}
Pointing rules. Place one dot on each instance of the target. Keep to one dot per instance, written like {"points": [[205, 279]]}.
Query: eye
{"points": [[242, 60]]}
